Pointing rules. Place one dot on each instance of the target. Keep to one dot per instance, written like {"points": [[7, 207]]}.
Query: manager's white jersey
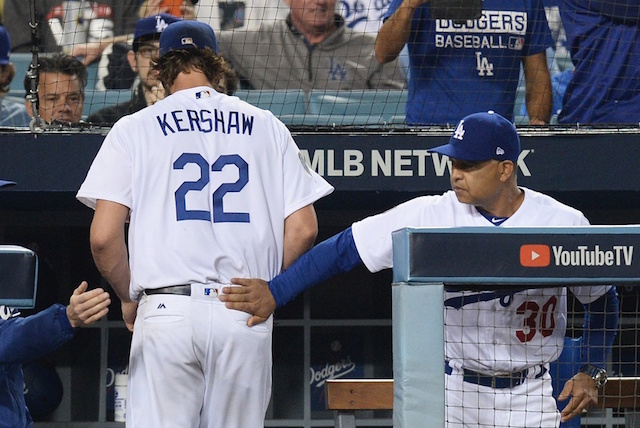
{"points": [[209, 181], [498, 331]]}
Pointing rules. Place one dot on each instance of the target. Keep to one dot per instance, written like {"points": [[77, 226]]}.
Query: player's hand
{"points": [[254, 298], [86, 307], [129, 311], [583, 392]]}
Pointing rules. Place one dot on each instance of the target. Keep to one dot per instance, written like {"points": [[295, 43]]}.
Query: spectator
{"points": [[311, 49], [457, 68], [149, 89], [364, 15], [62, 25], [12, 111], [61, 82], [603, 38], [242, 15]]}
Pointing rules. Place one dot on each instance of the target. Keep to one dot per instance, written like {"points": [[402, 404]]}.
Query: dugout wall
{"points": [[342, 328]]}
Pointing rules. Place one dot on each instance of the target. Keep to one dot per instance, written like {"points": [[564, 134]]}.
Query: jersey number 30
{"points": [[219, 215]]}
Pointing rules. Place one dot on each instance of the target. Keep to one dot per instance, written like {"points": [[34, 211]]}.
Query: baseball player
{"points": [[213, 188], [498, 345]]}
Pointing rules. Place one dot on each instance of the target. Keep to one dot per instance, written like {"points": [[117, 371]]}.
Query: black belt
{"points": [[506, 381], [180, 290]]}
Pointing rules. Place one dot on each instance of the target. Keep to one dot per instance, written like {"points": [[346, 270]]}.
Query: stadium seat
{"points": [[383, 105], [21, 63], [311, 119], [280, 102], [95, 100]]}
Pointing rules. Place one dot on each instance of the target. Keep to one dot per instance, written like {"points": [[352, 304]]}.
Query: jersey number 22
{"points": [[219, 215]]}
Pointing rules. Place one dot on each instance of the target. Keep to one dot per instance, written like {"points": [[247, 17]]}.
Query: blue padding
{"points": [[96, 100], [418, 355], [380, 104]]}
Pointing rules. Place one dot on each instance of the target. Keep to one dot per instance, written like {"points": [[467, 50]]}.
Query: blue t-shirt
{"points": [[604, 41], [461, 68]]}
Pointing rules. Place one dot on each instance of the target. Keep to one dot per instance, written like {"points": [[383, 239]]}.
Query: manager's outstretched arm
{"points": [[257, 297]]}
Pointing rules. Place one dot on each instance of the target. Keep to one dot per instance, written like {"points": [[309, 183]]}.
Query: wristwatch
{"points": [[598, 374]]}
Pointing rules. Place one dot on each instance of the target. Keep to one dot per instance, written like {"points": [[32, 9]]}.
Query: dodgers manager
{"points": [[498, 345]]}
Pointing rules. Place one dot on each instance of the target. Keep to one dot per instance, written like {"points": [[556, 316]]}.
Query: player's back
{"points": [[208, 197]]}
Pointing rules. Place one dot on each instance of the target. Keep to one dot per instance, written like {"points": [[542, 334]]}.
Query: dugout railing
{"points": [[426, 260]]}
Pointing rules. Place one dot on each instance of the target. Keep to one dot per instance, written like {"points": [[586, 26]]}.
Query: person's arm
{"points": [[300, 232], [25, 339], [259, 298], [395, 31], [109, 249], [91, 51], [599, 331], [538, 96]]}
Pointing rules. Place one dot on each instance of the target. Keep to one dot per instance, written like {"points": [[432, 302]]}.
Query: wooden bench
{"points": [[345, 396]]}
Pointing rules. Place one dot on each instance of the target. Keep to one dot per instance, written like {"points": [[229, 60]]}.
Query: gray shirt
{"points": [[277, 56]]}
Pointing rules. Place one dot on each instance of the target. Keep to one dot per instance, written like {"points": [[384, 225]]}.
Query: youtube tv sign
{"points": [[502, 255], [535, 255]]}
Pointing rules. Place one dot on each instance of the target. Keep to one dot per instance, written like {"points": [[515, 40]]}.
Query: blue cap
{"points": [[481, 137], [7, 183], [188, 35], [151, 27], [5, 46]]}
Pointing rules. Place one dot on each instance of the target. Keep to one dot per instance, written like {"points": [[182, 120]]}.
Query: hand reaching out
{"points": [[86, 307]]}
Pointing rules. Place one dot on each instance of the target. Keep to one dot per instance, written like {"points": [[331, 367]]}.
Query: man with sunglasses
{"points": [[496, 375], [148, 89]]}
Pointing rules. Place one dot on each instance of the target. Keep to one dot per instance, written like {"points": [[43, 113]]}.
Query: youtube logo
{"points": [[535, 255]]}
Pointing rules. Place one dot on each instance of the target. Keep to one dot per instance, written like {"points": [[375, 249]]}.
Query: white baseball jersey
{"points": [[498, 331], [209, 180]]}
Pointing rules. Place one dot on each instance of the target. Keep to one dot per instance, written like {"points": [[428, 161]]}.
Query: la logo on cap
{"points": [[459, 132], [535, 255], [161, 24]]}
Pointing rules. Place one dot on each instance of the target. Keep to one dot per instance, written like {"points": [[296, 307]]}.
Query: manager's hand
{"points": [[254, 298], [583, 393]]}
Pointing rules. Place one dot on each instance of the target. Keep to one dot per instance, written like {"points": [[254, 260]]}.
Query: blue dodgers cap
{"points": [[4, 183], [188, 35], [151, 27], [481, 137], [5, 46]]}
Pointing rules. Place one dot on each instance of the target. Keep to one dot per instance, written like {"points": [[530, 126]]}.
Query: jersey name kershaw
{"points": [[584, 256], [226, 122]]}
